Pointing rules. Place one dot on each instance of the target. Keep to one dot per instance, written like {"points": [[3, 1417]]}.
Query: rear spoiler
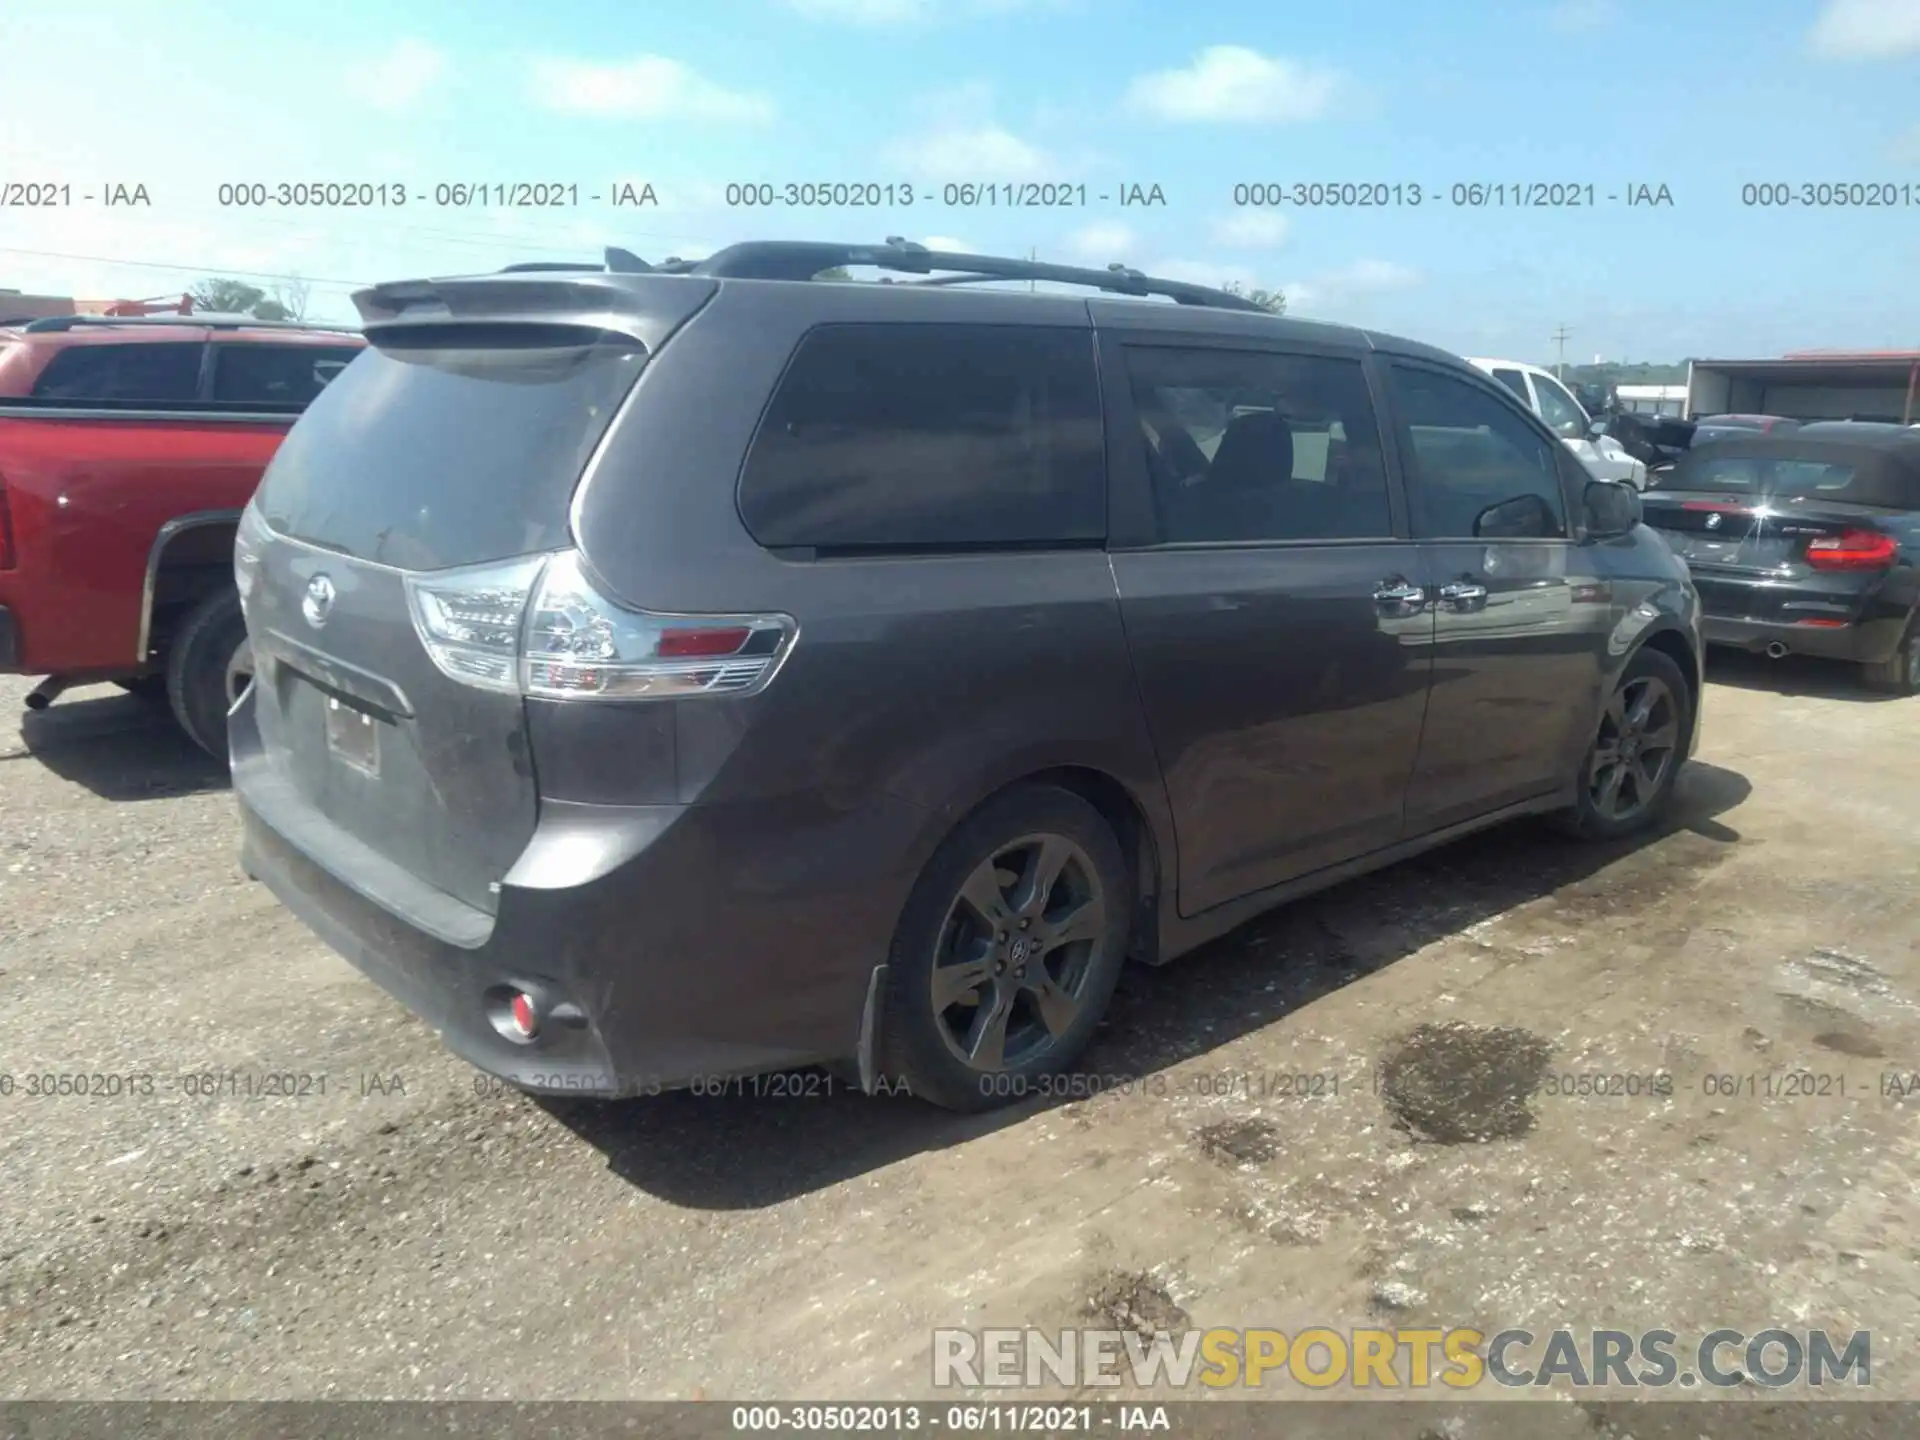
{"points": [[645, 307]]}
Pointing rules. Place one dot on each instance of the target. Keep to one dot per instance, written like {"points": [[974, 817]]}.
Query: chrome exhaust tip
{"points": [[1775, 649]]}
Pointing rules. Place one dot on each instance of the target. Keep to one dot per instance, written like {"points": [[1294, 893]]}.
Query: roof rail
{"points": [[804, 259], [240, 322]]}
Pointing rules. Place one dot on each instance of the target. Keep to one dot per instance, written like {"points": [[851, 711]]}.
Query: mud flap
{"points": [[870, 1031]]}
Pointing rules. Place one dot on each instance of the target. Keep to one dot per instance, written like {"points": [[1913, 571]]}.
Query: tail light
{"points": [[539, 627], [7, 558], [1852, 550]]}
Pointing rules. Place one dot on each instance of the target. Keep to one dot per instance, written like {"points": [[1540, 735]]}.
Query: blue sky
{"points": [[1702, 98]]}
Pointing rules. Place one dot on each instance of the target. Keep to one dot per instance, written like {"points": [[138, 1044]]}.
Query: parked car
{"points": [[1733, 427], [695, 671], [1804, 542], [1603, 456], [1656, 441], [127, 449]]}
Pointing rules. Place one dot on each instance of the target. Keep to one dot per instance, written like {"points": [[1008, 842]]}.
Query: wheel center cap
{"points": [[1022, 948]]}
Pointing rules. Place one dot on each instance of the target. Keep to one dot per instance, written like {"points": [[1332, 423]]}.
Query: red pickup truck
{"points": [[128, 448]]}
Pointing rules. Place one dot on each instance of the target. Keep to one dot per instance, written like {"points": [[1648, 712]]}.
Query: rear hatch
{"points": [[1770, 538], [457, 439]]}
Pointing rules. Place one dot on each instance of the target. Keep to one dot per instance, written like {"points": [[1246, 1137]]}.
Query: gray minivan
{"points": [[702, 670]]}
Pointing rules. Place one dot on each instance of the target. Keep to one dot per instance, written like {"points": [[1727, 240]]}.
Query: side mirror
{"points": [[1597, 429], [1524, 517], [1613, 509]]}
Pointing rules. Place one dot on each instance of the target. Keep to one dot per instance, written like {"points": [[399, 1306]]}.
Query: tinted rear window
{"points": [[168, 371], [1769, 477], [428, 455], [276, 374], [930, 437]]}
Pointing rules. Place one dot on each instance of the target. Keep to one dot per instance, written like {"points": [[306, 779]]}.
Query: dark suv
{"points": [[707, 669]]}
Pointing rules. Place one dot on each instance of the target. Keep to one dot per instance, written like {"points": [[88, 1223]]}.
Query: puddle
{"points": [[1459, 1084], [1859, 1044], [1239, 1142], [1134, 1300]]}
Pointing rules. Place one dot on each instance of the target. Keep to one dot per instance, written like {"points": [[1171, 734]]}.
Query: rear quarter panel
{"points": [[89, 496], [1652, 596]]}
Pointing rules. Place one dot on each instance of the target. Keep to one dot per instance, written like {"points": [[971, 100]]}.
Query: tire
{"points": [[1046, 1002], [1607, 808], [208, 655], [1899, 673]]}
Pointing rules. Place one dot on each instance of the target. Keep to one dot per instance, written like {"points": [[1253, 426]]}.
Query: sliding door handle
{"points": [[1464, 595], [1399, 599]]}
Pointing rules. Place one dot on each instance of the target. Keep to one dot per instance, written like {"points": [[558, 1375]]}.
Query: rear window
{"points": [[1769, 477], [276, 374], [450, 449], [1517, 383], [890, 437], [169, 371]]}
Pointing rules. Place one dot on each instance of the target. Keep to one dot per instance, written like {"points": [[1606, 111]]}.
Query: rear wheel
{"points": [[1007, 951], [208, 666], [1899, 673], [1626, 780]]}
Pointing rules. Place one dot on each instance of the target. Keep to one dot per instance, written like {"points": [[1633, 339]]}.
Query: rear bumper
{"points": [[1864, 642], [9, 642], [692, 941]]}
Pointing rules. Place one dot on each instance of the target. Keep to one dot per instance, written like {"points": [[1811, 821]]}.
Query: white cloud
{"points": [[948, 243], [1105, 242], [1205, 272], [1573, 15], [1867, 29], [1231, 82], [986, 152], [401, 77], [1349, 283], [647, 87], [1252, 230], [1372, 276], [864, 12], [881, 13]]}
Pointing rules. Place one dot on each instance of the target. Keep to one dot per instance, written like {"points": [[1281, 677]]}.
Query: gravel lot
{"points": [[406, 1233]]}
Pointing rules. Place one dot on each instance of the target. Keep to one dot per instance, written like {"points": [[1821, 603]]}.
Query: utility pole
{"points": [[1560, 338]]}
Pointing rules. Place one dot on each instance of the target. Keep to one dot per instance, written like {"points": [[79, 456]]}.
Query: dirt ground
{"points": [[411, 1233]]}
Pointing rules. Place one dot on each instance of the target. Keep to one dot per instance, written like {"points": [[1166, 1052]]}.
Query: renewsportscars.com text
{"points": [[1457, 1358]]}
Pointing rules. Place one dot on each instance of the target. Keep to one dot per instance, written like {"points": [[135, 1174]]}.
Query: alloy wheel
{"points": [[1016, 951], [1638, 745]]}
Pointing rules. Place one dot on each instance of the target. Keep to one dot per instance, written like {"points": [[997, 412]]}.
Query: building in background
{"points": [[1668, 400], [17, 307], [1879, 385]]}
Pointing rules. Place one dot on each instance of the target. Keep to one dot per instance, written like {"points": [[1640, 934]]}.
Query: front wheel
{"points": [[1007, 952], [1627, 779], [209, 666]]}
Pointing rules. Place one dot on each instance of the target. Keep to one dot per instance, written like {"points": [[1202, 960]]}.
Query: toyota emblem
{"points": [[318, 603]]}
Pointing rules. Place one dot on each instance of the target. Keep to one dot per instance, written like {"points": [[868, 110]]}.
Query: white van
{"points": [[1550, 400]]}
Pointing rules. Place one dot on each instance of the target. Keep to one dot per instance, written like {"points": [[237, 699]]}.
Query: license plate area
{"points": [[353, 737]]}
